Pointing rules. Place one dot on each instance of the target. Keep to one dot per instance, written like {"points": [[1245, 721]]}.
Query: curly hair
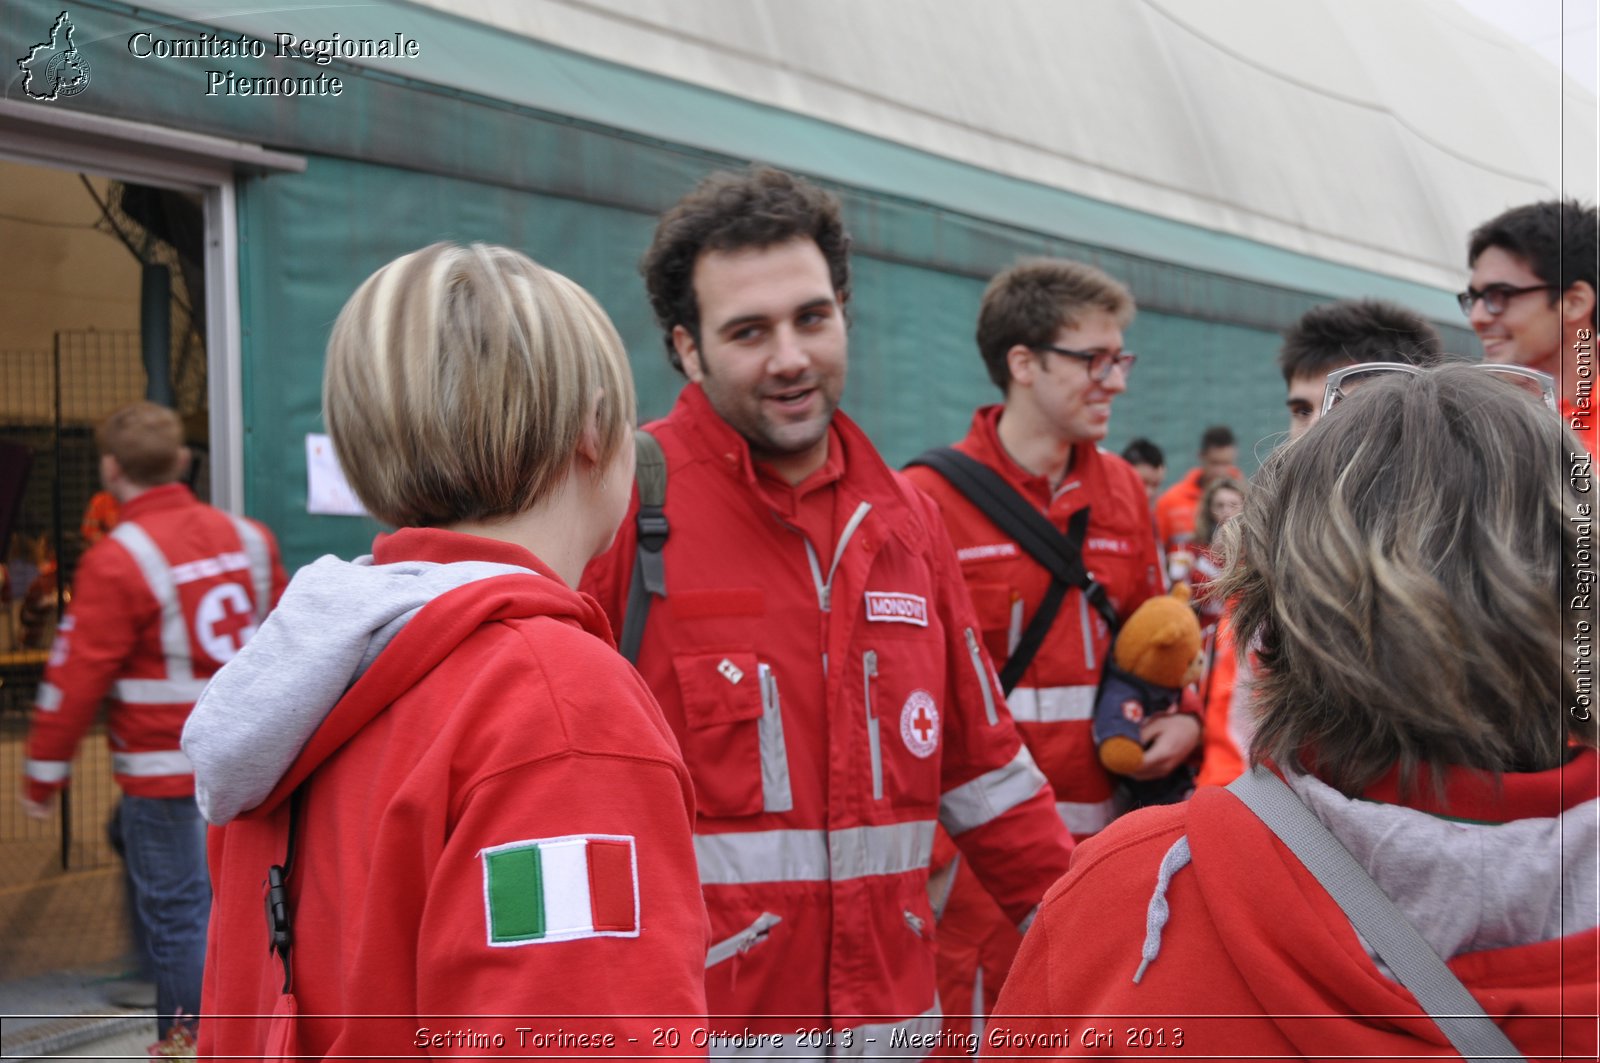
{"points": [[1395, 568], [728, 211]]}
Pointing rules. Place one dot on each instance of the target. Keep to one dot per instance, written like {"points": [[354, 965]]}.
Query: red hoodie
{"points": [[1257, 961], [495, 769]]}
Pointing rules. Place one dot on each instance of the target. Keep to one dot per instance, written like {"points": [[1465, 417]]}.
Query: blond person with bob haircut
{"points": [[1398, 567], [474, 806]]}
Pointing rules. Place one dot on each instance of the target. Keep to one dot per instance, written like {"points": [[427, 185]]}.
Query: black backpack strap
{"points": [[280, 927], [1061, 555], [649, 568]]}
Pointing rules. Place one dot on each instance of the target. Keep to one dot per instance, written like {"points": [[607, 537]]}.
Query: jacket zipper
{"points": [[985, 683], [743, 941], [915, 922], [869, 666]]}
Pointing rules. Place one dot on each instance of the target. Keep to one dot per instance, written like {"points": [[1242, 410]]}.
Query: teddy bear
{"points": [[1157, 653]]}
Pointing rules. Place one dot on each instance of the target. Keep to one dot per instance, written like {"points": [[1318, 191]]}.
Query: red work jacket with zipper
{"points": [[833, 702]]}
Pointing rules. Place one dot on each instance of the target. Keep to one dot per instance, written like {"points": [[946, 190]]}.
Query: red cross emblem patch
{"points": [[919, 724]]}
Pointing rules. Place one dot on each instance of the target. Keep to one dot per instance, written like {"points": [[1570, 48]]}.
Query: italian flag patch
{"points": [[561, 889]]}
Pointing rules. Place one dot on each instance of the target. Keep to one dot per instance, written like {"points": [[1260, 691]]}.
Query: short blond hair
{"points": [[1031, 301], [459, 380], [146, 440]]}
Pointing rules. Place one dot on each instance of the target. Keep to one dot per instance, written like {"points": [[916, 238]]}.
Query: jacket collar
{"points": [[156, 499], [1084, 468]]}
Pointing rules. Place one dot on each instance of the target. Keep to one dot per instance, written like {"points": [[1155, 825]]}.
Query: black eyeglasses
{"points": [[1100, 362], [1496, 296]]}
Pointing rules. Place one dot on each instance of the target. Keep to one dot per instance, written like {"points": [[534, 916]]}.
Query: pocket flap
{"points": [[719, 688]]}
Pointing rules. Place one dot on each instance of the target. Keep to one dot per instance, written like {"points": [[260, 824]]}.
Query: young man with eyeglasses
{"points": [[813, 651], [1050, 334], [1531, 299]]}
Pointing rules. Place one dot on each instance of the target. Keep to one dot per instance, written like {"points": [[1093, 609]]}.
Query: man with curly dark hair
{"points": [[815, 651]]}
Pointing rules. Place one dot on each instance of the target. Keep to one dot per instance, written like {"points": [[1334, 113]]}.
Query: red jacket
{"points": [[499, 720], [157, 607], [1054, 700], [827, 720], [1257, 961], [1175, 511]]}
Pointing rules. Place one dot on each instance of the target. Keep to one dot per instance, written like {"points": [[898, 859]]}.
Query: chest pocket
{"points": [[733, 738], [903, 689]]}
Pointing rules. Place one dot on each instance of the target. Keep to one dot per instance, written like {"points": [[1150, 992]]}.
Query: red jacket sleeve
{"points": [[994, 801], [110, 610], [640, 971]]}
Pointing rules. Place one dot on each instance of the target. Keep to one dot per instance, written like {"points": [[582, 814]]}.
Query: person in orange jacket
{"points": [[1531, 300], [1441, 733], [1050, 336], [1176, 508], [158, 606], [815, 651], [467, 815]]}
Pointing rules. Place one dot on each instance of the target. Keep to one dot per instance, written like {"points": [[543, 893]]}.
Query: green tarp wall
{"points": [[395, 163]]}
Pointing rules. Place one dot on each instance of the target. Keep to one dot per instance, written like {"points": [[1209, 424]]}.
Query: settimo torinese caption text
{"points": [[320, 51]]}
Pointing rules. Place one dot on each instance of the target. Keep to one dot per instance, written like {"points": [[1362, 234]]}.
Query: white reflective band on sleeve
{"points": [[159, 691], [47, 770], [1027, 920], [990, 795], [1051, 704], [158, 576], [47, 698], [255, 545], [164, 762], [871, 1040], [813, 855], [1086, 817]]}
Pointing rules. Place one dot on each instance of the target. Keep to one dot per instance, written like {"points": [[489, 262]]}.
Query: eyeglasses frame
{"points": [[1504, 292], [1331, 393], [1122, 359]]}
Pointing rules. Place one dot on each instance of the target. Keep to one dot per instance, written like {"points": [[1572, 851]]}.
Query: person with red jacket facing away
{"points": [[815, 651], [473, 823], [1436, 737], [1050, 335], [167, 598], [1326, 338], [1532, 300]]}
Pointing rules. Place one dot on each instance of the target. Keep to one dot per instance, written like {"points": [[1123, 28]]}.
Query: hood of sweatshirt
{"points": [[1515, 865], [352, 628]]}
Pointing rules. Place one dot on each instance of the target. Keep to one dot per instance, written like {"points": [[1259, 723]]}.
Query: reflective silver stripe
{"points": [[47, 698], [869, 669], [877, 1038], [941, 884], [813, 855], [887, 850], [158, 576], [1086, 817], [743, 941], [984, 678], [977, 1005], [895, 1040], [255, 546], [1051, 704], [158, 691], [776, 795], [1027, 920], [990, 795], [1088, 633], [47, 770], [165, 762]]}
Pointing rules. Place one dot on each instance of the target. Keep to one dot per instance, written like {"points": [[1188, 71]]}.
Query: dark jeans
{"points": [[164, 847]]}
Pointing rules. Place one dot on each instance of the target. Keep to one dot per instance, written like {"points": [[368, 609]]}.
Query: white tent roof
{"points": [[1373, 133]]}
